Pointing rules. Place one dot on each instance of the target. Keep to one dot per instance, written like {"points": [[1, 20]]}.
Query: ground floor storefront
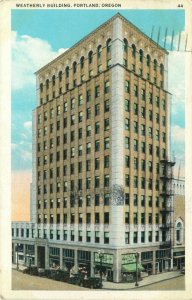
{"points": [[115, 265]]}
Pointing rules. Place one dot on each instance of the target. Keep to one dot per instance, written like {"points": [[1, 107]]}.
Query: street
{"points": [[177, 283], [22, 281]]}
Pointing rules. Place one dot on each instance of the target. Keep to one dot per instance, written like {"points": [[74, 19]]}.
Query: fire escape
{"points": [[167, 207]]}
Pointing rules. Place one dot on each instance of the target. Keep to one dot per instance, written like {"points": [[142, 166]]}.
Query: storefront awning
{"points": [[131, 268]]}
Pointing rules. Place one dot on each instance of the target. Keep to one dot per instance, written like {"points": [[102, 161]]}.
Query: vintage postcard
{"points": [[96, 149]]}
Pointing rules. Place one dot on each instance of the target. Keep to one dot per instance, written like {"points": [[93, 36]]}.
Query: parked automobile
{"points": [[76, 279], [92, 282], [62, 276], [31, 271], [42, 272]]}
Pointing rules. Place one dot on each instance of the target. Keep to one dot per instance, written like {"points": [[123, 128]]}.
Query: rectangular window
{"points": [[127, 180], [88, 113], [134, 237], [106, 124], [97, 236], [106, 181], [142, 236], [88, 236], [88, 165], [88, 218], [80, 117], [135, 202], [127, 105], [135, 219], [72, 120], [135, 108], [106, 105], [88, 130], [106, 237], [127, 161], [88, 148], [142, 94], [127, 142], [80, 133], [97, 91], [135, 90], [106, 143], [80, 100], [97, 127], [97, 182], [97, 145], [127, 198], [142, 218], [150, 236], [135, 145], [127, 86], [107, 87], [97, 163], [88, 95], [106, 161], [126, 237], [97, 110]]}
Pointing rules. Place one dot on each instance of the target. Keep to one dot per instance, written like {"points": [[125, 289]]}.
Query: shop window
{"points": [[106, 237]]}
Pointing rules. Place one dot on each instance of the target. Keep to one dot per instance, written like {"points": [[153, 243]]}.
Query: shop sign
{"points": [[128, 258], [106, 259]]}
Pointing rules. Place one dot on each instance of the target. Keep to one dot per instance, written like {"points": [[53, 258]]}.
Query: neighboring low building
{"points": [[179, 223]]}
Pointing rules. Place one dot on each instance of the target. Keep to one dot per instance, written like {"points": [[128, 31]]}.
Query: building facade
{"points": [[179, 223], [101, 169]]}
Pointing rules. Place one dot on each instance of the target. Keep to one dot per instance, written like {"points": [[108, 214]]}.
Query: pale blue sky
{"points": [[56, 29]]}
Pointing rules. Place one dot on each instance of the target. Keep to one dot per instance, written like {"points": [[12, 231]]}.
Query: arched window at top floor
{"points": [[155, 65], [99, 51], [74, 67], [133, 50], [125, 45], [60, 76], [41, 87], [161, 69], [82, 62], [47, 83], [90, 57], [179, 225], [67, 71], [108, 44], [53, 80], [141, 55], [148, 60]]}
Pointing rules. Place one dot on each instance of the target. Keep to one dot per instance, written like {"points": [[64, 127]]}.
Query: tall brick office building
{"points": [[101, 172]]}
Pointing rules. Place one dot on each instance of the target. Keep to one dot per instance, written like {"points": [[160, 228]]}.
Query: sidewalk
{"points": [[146, 281]]}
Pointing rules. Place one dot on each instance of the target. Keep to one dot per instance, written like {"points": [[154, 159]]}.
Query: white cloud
{"points": [[28, 124], [28, 55], [26, 155], [176, 80], [178, 149], [179, 41], [178, 134]]}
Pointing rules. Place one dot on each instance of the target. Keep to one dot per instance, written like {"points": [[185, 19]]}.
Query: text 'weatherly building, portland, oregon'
{"points": [[101, 168]]}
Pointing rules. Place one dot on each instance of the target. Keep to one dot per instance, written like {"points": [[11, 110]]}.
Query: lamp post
{"points": [[101, 255], [137, 258], [17, 247]]}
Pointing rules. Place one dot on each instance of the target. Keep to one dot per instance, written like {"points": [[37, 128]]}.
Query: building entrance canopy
{"points": [[131, 268]]}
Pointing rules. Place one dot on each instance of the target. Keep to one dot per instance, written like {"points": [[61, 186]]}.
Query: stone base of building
{"points": [[114, 265]]}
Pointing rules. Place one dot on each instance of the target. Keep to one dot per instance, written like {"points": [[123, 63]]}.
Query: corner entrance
{"points": [[41, 257]]}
